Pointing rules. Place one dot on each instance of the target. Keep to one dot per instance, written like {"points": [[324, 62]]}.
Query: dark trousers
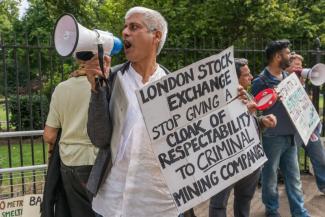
{"points": [[244, 191], [74, 179], [188, 213]]}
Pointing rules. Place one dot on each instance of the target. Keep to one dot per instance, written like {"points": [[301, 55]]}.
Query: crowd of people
{"points": [[107, 166]]}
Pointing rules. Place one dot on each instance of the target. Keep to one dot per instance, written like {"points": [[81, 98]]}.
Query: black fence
{"points": [[29, 71]]}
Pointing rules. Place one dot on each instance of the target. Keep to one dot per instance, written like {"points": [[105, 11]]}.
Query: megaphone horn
{"points": [[66, 35], [71, 37], [315, 74]]}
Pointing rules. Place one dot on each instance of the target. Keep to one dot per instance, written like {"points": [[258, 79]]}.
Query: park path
{"points": [[314, 201]]}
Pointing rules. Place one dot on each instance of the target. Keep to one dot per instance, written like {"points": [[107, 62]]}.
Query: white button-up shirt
{"points": [[135, 186]]}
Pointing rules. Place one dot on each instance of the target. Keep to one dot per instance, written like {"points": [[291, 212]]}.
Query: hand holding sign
{"points": [[267, 98], [242, 94], [201, 133], [298, 106]]}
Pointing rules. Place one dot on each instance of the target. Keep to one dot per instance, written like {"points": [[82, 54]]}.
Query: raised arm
{"points": [[99, 125]]}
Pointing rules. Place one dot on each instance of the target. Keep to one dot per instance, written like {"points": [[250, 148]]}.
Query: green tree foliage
{"points": [[209, 24], [36, 26], [28, 112], [225, 21], [205, 24], [8, 15]]}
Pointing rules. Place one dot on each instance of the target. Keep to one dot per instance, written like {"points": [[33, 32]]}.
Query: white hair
{"points": [[153, 21]]}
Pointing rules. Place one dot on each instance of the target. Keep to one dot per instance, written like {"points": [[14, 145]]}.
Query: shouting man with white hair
{"points": [[134, 185], [126, 178]]}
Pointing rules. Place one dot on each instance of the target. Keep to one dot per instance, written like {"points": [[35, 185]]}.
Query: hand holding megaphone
{"points": [[315, 74], [94, 74], [71, 38], [268, 97]]}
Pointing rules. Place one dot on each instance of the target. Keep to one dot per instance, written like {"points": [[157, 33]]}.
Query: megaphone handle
{"points": [[101, 57], [102, 81]]}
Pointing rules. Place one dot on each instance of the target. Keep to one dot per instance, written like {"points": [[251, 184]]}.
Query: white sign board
{"points": [[24, 206], [32, 205], [299, 107], [11, 207], [188, 94], [203, 140]]}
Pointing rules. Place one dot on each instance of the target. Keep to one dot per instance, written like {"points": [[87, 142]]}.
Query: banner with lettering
{"points": [[299, 107], [24, 206], [203, 138]]}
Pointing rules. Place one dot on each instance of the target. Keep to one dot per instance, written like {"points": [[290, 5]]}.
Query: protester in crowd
{"points": [[296, 63], [245, 188], [314, 149], [132, 184], [69, 112], [278, 142]]}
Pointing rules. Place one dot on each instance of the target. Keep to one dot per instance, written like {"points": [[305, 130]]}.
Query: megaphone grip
{"points": [[101, 58]]}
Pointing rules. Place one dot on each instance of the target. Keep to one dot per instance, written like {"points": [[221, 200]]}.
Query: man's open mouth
{"points": [[127, 44]]}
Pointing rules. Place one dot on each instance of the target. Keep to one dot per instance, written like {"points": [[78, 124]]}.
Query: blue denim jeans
{"points": [[316, 152], [282, 153]]}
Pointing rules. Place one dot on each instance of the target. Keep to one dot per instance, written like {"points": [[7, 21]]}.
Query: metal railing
{"points": [[4, 135], [18, 181]]}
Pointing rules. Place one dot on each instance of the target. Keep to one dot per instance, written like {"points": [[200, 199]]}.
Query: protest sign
{"points": [[12, 207], [24, 206], [203, 139], [188, 94], [32, 205], [215, 152], [299, 107]]}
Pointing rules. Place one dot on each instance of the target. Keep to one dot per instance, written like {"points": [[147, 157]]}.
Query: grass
{"points": [[2, 109], [301, 158], [33, 181], [25, 151], [2, 113], [3, 117]]}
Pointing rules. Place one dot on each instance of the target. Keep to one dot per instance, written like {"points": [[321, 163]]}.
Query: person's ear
{"points": [[278, 56], [157, 36]]}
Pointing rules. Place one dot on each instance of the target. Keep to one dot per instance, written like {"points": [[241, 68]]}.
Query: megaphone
{"points": [[315, 74], [70, 37]]}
